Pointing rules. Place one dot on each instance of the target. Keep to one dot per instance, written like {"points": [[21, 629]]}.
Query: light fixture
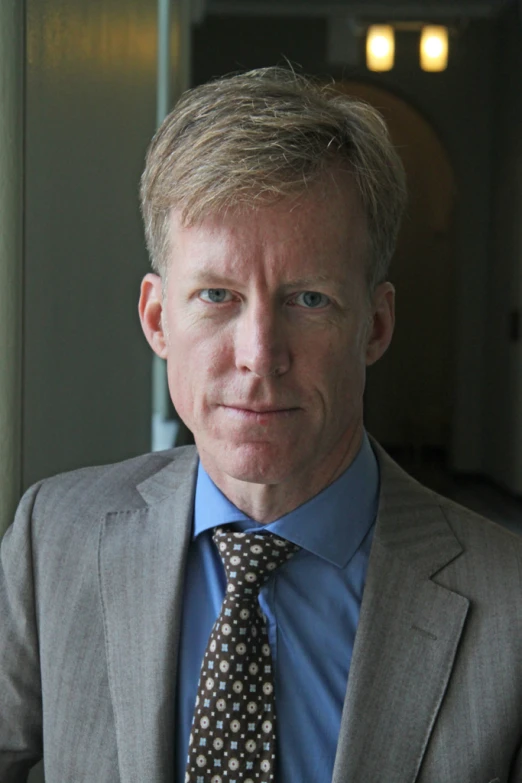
{"points": [[380, 47], [434, 48]]}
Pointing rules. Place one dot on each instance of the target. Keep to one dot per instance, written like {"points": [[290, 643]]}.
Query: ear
{"points": [[383, 322], [150, 308]]}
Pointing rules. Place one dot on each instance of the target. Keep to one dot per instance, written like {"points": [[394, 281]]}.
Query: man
{"points": [[381, 623]]}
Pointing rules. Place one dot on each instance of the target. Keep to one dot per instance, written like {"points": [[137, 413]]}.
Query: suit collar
{"points": [[412, 524], [178, 472]]}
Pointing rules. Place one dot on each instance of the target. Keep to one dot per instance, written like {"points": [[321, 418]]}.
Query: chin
{"points": [[255, 463]]}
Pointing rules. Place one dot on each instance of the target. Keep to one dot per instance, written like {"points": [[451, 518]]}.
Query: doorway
{"points": [[408, 399]]}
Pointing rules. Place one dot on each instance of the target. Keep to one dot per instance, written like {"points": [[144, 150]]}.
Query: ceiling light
{"points": [[380, 48], [434, 48]]}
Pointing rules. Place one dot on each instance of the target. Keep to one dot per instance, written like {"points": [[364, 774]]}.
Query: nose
{"points": [[262, 345]]}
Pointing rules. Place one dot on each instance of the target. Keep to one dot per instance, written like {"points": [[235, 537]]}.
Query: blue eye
{"points": [[215, 295], [312, 300]]}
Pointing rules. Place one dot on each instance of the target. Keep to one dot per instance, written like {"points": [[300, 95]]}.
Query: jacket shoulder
{"points": [[104, 488], [410, 504], [473, 529]]}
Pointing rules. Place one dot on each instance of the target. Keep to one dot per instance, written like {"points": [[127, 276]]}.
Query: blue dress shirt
{"points": [[312, 605]]}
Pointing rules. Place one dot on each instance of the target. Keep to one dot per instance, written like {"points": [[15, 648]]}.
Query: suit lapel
{"points": [[407, 637], [141, 570]]}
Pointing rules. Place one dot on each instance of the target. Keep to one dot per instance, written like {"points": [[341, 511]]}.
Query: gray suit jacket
{"points": [[91, 580]]}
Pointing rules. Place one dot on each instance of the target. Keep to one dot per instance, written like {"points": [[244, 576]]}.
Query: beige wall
{"points": [[90, 112], [11, 178]]}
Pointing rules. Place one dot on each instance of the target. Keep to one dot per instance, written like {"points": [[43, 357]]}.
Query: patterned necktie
{"points": [[233, 729]]}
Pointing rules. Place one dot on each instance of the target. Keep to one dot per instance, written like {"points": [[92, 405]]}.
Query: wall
{"points": [[504, 371], [11, 178], [90, 112], [458, 105]]}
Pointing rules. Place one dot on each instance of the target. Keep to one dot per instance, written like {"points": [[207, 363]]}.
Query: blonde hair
{"points": [[251, 139]]}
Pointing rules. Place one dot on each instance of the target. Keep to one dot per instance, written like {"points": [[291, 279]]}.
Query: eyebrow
{"points": [[308, 281], [211, 276]]}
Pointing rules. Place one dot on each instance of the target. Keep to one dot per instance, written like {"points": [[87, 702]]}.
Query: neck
{"points": [[264, 503]]}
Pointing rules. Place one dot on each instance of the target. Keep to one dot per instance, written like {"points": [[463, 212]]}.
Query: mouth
{"points": [[260, 412]]}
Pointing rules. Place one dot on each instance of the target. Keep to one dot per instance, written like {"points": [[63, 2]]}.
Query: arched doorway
{"points": [[408, 397]]}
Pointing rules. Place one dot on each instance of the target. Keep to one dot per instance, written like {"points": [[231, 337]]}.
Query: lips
{"points": [[261, 409], [261, 415]]}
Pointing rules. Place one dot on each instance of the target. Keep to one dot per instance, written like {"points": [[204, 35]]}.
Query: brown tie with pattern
{"points": [[233, 729]]}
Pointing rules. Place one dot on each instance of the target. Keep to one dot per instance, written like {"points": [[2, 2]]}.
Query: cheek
{"points": [[339, 368], [195, 363], [179, 389]]}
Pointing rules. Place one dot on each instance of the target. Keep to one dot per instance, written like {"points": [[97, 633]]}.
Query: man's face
{"points": [[267, 329]]}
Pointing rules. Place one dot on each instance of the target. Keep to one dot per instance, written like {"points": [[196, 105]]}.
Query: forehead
{"points": [[319, 227]]}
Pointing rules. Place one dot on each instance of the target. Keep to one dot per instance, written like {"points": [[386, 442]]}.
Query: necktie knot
{"points": [[250, 559]]}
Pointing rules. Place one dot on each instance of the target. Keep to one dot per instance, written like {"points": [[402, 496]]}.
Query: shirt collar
{"points": [[331, 525]]}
